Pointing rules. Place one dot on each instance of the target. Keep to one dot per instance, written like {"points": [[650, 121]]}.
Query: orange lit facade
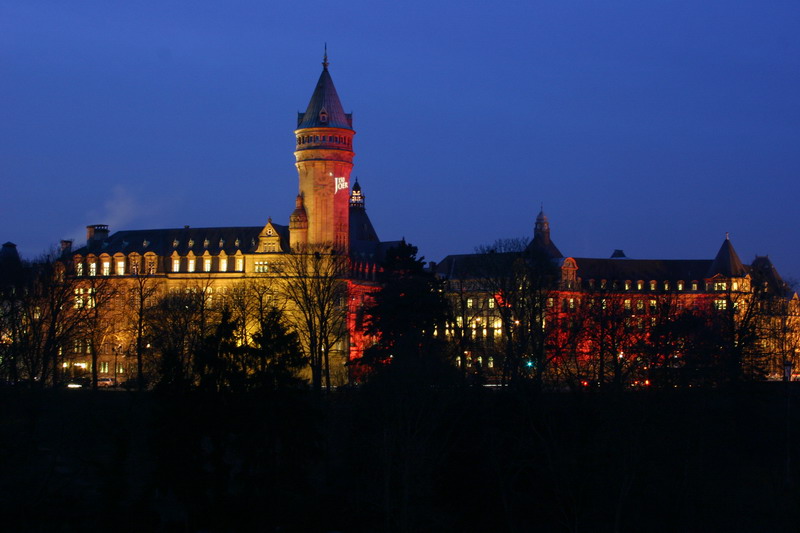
{"points": [[329, 214]]}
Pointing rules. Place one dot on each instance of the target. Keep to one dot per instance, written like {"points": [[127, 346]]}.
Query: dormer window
{"points": [[323, 116]]}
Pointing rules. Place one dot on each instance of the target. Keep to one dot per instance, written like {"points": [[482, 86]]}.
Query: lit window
{"points": [[239, 264], [490, 362], [627, 285], [639, 305], [549, 302], [680, 285], [470, 303], [572, 303], [720, 286], [261, 266], [79, 269], [491, 303], [190, 267], [106, 268], [603, 284], [652, 285], [104, 367], [639, 285], [735, 286], [694, 285], [151, 266], [223, 265], [78, 298], [121, 268], [135, 267], [627, 305], [176, 265], [120, 368], [720, 304], [207, 265], [666, 285]]}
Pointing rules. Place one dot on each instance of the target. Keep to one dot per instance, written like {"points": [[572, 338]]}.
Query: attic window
{"points": [[221, 243], [175, 243], [146, 243], [205, 243], [236, 243], [323, 115], [191, 243]]}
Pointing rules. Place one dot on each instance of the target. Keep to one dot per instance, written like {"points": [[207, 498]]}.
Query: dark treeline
{"points": [[399, 455]]}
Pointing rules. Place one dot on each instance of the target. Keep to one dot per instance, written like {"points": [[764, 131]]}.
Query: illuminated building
{"points": [[633, 304], [221, 260]]}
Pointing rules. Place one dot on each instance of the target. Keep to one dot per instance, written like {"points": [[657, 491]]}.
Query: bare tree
{"points": [[314, 287]]}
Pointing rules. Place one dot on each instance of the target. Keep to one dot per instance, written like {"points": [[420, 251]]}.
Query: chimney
{"points": [[66, 246], [96, 233]]}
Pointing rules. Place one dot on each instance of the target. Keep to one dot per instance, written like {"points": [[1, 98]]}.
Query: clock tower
{"points": [[324, 159]]}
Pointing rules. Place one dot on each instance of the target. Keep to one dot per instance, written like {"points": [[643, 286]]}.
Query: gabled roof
{"points": [[164, 242], [325, 98], [727, 262]]}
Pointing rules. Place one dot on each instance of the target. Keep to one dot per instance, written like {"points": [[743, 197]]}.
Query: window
{"points": [[680, 285], [121, 267], [223, 265], [151, 266], [627, 285], [78, 299], [491, 303], [190, 266], [694, 285], [653, 305], [666, 285], [639, 285], [470, 303], [79, 269], [120, 368], [261, 266], [627, 305], [639, 305], [720, 304], [207, 265], [735, 286], [239, 264], [106, 268], [652, 285], [549, 302], [176, 265], [572, 303], [104, 367], [135, 267], [720, 286]]}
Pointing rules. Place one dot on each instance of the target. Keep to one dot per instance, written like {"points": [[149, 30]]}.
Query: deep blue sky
{"points": [[651, 126]]}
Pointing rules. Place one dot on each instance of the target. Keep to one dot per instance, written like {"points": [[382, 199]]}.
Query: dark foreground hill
{"points": [[401, 459]]}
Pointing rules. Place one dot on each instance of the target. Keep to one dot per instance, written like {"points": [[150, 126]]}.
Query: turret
{"points": [[298, 224], [324, 160]]}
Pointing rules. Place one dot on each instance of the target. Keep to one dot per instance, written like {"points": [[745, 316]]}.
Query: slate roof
{"points": [[727, 262], [325, 97], [642, 269], [163, 241]]}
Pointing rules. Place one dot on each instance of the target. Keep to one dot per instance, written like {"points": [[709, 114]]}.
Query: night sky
{"points": [[654, 127]]}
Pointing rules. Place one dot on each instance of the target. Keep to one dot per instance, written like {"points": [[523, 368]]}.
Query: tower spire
{"points": [[325, 58]]}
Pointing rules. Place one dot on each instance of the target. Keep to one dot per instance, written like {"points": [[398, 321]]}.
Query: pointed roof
{"points": [[727, 262], [325, 109]]}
